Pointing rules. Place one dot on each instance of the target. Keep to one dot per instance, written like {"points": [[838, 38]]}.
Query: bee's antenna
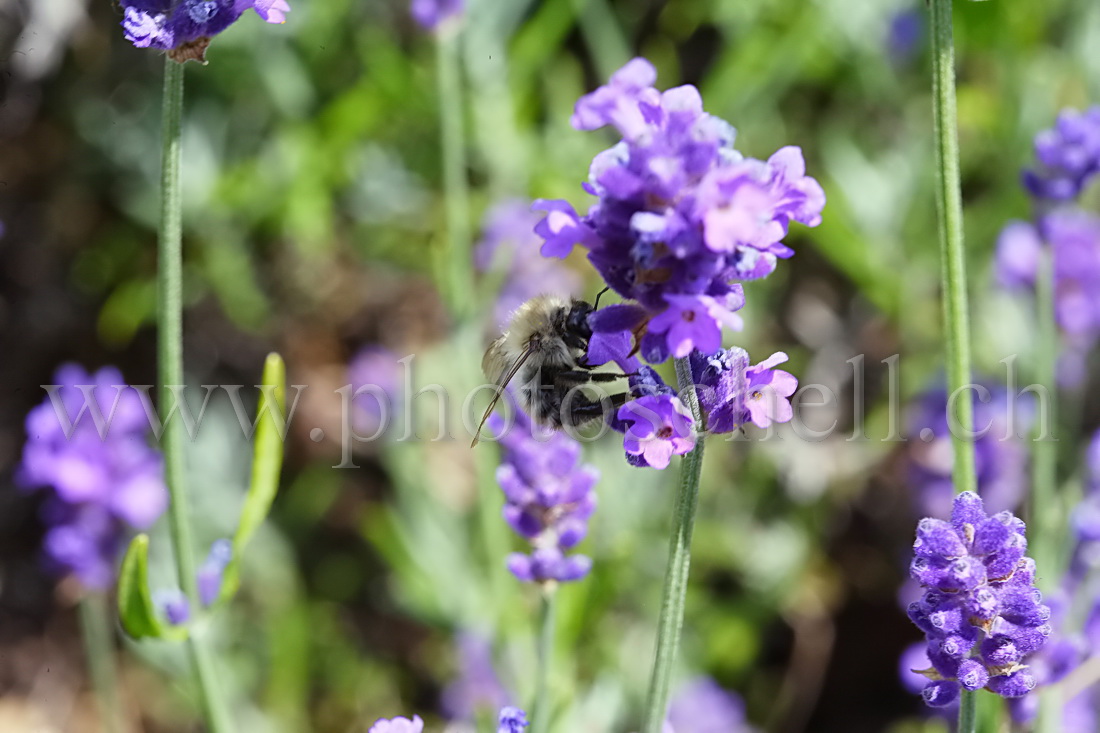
{"points": [[596, 305]]}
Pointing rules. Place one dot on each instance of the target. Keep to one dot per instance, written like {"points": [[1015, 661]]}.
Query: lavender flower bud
{"points": [[940, 693]]}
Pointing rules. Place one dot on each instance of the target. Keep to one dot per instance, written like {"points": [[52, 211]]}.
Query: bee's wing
{"points": [[502, 381]]}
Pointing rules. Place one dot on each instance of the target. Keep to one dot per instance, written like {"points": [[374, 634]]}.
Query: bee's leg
{"points": [[584, 410], [575, 377]]}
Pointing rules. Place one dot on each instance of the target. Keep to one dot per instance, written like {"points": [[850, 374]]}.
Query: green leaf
{"points": [[267, 462], [135, 603]]}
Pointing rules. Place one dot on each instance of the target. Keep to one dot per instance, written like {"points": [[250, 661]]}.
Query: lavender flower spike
{"points": [[549, 499], [512, 720], [431, 14], [90, 448], [680, 215], [398, 725], [185, 27], [980, 613]]}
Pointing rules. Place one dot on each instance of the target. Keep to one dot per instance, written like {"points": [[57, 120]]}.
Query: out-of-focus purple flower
{"points": [[915, 657], [548, 500], [1074, 239], [1068, 156], [174, 605], [733, 393], [398, 725], [509, 244], [904, 35], [703, 706], [511, 720], [1001, 464], [378, 370], [680, 214], [89, 444], [478, 686], [172, 25], [981, 614], [431, 14], [209, 575]]}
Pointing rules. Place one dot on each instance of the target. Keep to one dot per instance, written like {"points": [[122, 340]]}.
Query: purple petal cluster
{"points": [[478, 686], [509, 245], [1001, 463], [398, 725], [1075, 615], [1068, 156], [92, 451], [904, 35], [701, 705], [1074, 238], [430, 14], [980, 613], [209, 575], [656, 424], [511, 720], [680, 214], [172, 24], [732, 393], [379, 370], [548, 500]]}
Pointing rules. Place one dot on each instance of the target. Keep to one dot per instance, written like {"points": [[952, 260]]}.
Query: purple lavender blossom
{"points": [[1070, 644], [655, 424], [904, 35], [478, 686], [511, 720], [657, 428], [981, 614], [398, 725], [171, 25], [209, 575], [680, 213], [732, 393], [509, 244], [174, 605], [1068, 155], [1074, 238], [1000, 464], [548, 500], [103, 474], [431, 14], [703, 706], [378, 369]]}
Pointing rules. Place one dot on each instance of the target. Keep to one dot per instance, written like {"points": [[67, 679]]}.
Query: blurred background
{"points": [[314, 226]]}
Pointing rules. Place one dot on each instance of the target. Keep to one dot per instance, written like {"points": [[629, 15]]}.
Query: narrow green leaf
{"points": [[135, 602], [267, 462]]}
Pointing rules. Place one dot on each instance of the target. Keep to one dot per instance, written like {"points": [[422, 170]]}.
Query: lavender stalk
{"points": [[170, 372], [953, 269], [674, 596]]}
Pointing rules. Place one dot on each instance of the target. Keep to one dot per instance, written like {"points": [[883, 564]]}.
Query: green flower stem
{"points": [[968, 711], [457, 272], [679, 560], [95, 627], [170, 372], [953, 268], [542, 711]]}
